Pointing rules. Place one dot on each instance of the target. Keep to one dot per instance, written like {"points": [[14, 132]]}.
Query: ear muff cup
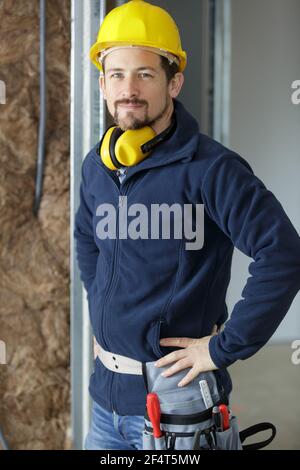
{"points": [[127, 148], [115, 135], [124, 148], [106, 149]]}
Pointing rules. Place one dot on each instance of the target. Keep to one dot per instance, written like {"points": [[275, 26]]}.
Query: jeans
{"points": [[109, 431]]}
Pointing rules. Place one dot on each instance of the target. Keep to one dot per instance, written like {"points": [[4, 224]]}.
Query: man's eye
{"points": [[120, 75]]}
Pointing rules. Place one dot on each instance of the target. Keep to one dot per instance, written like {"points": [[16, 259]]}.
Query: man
{"points": [[152, 298]]}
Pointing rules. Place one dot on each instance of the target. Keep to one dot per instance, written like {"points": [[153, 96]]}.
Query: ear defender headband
{"points": [[127, 148]]}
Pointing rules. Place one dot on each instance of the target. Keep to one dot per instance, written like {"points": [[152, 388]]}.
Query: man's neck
{"points": [[165, 121]]}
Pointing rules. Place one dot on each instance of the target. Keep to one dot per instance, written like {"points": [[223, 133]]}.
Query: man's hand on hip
{"points": [[195, 354]]}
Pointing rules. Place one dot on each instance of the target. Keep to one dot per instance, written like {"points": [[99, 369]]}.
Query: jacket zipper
{"points": [[115, 252], [111, 282], [113, 275], [117, 183], [110, 289]]}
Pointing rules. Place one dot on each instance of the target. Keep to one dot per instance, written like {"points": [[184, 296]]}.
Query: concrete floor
{"points": [[266, 387]]}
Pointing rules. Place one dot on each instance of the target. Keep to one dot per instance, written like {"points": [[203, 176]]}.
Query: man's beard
{"points": [[137, 123]]}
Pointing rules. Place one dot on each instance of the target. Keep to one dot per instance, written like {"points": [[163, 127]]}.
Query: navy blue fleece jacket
{"points": [[140, 290]]}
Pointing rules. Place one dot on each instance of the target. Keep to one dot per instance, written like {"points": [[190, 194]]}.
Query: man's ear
{"points": [[102, 84], [176, 84]]}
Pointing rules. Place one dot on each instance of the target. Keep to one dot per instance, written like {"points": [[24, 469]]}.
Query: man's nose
{"points": [[130, 88]]}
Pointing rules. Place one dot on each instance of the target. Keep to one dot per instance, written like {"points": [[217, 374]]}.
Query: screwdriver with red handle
{"points": [[153, 409], [225, 416]]}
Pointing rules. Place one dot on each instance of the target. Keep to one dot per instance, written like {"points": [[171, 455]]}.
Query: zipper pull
{"points": [[121, 201], [119, 172], [209, 439], [170, 441]]}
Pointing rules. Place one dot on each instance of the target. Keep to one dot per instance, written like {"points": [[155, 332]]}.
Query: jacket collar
{"points": [[182, 145]]}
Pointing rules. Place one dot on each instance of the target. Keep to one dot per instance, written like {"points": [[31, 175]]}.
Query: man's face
{"points": [[136, 89]]}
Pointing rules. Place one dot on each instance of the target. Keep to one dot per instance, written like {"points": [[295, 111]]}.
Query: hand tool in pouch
{"points": [[153, 409], [217, 418], [225, 416], [205, 393]]}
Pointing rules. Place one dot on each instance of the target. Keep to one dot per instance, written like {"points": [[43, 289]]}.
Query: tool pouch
{"points": [[186, 423]]}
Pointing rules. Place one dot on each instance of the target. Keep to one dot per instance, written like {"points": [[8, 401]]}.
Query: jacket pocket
{"points": [[92, 298], [154, 335], [229, 439]]}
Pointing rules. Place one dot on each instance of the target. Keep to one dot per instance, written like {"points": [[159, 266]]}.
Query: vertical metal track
{"points": [[42, 122], [87, 124], [222, 65]]}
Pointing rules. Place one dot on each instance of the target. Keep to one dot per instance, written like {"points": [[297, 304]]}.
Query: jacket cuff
{"points": [[216, 353]]}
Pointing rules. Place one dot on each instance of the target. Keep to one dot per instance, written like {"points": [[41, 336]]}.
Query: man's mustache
{"points": [[133, 102]]}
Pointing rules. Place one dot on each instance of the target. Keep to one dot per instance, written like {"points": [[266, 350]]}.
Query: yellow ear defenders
{"points": [[127, 148]]}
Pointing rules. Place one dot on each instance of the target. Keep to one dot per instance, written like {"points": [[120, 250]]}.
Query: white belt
{"points": [[117, 363]]}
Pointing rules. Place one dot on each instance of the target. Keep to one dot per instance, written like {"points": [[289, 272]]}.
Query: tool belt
{"points": [[117, 363], [185, 418]]}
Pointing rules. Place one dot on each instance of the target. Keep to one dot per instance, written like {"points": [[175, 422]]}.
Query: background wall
{"points": [[264, 124], [34, 253], [264, 128], [195, 93]]}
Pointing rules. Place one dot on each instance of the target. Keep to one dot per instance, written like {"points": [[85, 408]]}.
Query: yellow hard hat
{"points": [[138, 23]]}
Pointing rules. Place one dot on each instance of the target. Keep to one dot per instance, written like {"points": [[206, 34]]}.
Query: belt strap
{"points": [[117, 363], [254, 430]]}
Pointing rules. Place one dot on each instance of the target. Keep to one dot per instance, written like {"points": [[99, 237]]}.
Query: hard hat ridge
{"points": [[140, 24]]}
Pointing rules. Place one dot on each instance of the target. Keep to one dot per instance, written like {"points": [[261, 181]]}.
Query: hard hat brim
{"points": [[98, 47]]}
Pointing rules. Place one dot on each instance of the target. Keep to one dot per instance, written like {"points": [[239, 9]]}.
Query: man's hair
{"points": [[170, 69]]}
